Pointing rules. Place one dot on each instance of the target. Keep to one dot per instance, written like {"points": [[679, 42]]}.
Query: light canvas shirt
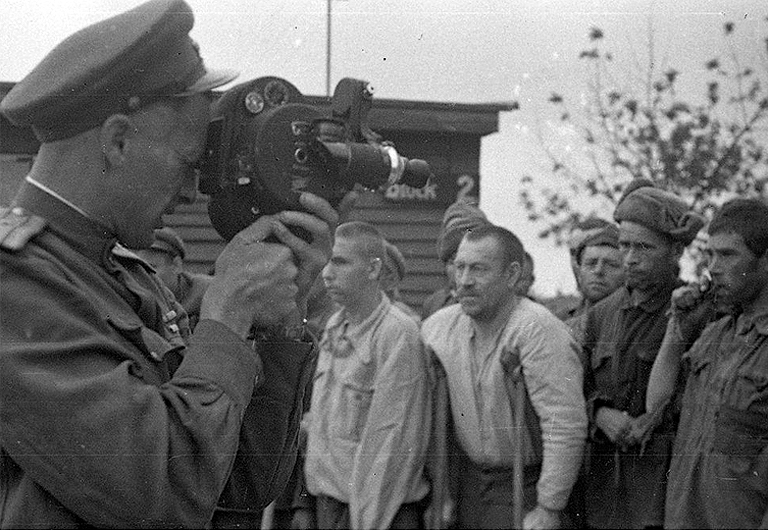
{"points": [[369, 425], [481, 406]]}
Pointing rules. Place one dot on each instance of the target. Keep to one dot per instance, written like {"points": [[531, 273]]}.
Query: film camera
{"points": [[266, 145]]}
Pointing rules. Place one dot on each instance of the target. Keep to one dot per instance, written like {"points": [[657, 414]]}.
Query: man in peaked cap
{"points": [[629, 449], [111, 413]]}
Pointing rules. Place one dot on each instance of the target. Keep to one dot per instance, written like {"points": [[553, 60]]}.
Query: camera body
{"points": [[266, 145]]}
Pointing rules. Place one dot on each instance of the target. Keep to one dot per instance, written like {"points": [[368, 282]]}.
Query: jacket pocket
{"points": [[741, 434], [353, 411]]}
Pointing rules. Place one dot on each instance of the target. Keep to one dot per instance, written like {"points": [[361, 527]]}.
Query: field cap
{"points": [[394, 262], [114, 66], [608, 235], [459, 218]]}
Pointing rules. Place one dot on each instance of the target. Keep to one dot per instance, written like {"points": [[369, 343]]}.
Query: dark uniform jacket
{"points": [[625, 487], [109, 417]]}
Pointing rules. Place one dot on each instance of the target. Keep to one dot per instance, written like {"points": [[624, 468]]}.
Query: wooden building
{"points": [[446, 135]]}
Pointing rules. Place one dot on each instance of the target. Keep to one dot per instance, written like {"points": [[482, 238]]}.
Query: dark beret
{"points": [[607, 235], [114, 66], [460, 217], [168, 241], [661, 211]]}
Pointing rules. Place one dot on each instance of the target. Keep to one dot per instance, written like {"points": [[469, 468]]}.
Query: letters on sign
{"points": [[442, 190]]}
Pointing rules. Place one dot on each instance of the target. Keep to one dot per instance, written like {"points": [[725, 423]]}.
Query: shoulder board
{"points": [[17, 227]]}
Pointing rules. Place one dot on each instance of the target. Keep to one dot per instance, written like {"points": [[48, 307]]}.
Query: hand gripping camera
{"points": [[266, 146]]}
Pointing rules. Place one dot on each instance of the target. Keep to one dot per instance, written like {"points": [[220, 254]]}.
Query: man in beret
{"points": [[111, 413], [167, 255], [459, 218], [629, 449]]}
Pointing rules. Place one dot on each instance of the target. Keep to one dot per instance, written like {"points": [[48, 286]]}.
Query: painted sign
{"points": [[442, 190]]}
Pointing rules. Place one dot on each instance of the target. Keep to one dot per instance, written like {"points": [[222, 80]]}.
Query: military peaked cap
{"points": [[114, 66]]}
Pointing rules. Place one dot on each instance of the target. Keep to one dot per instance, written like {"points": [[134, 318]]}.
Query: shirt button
{"points": [[174, 328], [170, 316]]}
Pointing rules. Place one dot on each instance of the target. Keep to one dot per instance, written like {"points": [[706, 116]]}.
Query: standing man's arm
{"points": [[392, 449], [553, 377]]}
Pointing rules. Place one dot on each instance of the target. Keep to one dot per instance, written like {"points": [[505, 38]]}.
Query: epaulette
{"points": [[17, 227]]}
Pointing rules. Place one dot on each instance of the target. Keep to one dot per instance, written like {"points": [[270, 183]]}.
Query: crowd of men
{"points": [[136, 395]]}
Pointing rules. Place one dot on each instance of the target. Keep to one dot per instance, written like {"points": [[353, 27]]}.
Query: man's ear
{"points": [[114, 135], [375, 270], [514, 271]]}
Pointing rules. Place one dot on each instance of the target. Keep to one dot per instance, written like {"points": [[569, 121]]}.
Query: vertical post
{"points": [[328, 51]]}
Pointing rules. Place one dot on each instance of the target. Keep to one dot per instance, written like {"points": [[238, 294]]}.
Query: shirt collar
{"points": [[758, 320], [654, 302], [86, 236], [342, 337]]}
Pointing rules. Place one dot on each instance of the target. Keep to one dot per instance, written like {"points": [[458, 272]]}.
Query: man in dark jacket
{"points": [[629, 449], [111, 413]]}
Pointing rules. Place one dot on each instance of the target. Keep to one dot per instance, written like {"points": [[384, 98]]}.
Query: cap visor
{"points": [[209, 81]]}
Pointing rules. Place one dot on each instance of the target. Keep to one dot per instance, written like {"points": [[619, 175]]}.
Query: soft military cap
{"points": [[607, 235], [168, 241], [114, 66], [459, 218], [394, 262]]}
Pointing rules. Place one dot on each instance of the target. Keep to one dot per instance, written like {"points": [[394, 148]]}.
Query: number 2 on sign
{"points": [[466, 186]]}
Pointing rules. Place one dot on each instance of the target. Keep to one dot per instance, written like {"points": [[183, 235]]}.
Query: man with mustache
{"points": [[483, 343], [629, 449]]}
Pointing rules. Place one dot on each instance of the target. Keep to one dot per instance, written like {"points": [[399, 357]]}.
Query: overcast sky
{"points": [[469, 51]]}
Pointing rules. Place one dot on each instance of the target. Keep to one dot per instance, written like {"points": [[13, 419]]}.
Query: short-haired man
{"points": [[628, 451], [717, 479], [111, 414], [493, 329], [166, 255], [366, 446]]}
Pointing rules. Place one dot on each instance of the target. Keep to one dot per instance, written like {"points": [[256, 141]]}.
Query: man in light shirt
{"points": [[472, 339], [368, 424]]}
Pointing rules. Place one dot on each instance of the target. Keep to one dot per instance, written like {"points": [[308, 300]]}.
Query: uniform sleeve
{"points": [[268, 446], [392, 450], [553, 377], [89, 415]]}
